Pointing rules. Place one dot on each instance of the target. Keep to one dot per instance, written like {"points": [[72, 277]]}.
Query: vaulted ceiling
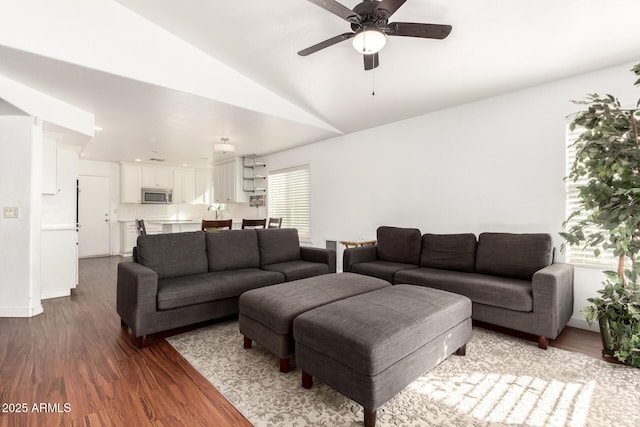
{"points": [[244, 80]]}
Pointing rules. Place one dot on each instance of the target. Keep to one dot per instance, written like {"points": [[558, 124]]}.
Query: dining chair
{"points": [[142, 231], [275, 223], [253, 223], [217, 224]]}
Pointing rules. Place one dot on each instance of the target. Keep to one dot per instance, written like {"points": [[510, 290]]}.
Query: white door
{"points": [[93, 216]]}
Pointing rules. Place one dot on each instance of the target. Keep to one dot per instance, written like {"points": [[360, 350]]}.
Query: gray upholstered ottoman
{"points": [[371, 346], [266, 314]]}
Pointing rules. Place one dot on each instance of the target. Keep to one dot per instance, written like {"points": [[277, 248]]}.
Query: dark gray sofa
{"points": [[510, 278], [184, 278]]}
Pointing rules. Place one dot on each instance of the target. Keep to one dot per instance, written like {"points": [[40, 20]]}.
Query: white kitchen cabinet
{"points": [[185, 228], [203, 187], [59, 266], [130, 183], [183, 186], [157, 177], [128, 237], [49, 165], [227, 182]]}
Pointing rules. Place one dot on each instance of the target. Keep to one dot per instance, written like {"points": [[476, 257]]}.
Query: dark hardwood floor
{"points": [[76, 353]]}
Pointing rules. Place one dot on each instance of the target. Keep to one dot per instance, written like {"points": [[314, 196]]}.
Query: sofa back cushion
{"points": [[278, 245], [232, 249], [455, 252], [173, 255], [513, 255], [399, 244]]}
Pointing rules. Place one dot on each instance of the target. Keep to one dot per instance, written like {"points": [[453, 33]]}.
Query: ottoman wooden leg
{"points": [[247, 342], [369, 417], [461, 351], [307, 380], [284, 365]]}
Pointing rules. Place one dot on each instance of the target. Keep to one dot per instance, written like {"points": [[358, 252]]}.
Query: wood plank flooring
{"points": [[76, 353]]}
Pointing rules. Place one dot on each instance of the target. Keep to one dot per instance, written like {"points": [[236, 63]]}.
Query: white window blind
{"points": [[579, 254], [289, 193]]}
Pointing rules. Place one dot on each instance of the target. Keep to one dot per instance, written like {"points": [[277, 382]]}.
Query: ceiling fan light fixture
{"points": [[369, 41], [224, 147]]}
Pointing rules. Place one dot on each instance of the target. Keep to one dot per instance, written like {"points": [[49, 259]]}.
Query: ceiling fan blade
{"points": [[371, 61], [326, 43], [390, 6], [338, 9], [412, 29]]}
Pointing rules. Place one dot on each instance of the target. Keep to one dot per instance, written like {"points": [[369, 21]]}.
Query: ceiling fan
{"points": [[370, 27]]}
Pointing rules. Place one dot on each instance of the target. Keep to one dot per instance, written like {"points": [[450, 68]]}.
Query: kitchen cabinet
{"points": [[128, 237], [227, 182], [130, 183], [183, 186], [203, 187], [59, 265], [157, 177], [49, 164]]}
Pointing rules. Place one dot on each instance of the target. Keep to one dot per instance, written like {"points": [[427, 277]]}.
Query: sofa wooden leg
{"points": [[462, 351], [307, 380], [543, 342], [247, 342], [284, 365], [369, 417], [142, 341], [122, 324]]}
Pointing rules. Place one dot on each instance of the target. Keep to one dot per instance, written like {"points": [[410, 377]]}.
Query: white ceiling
{"points": [[496, 46]]}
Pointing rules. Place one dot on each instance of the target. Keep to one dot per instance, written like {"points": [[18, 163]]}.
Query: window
{"points": [[290, 198], [578, 254]]}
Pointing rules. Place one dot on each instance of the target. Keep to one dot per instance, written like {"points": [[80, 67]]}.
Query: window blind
{"points": [[579, 254], [290, 198]]}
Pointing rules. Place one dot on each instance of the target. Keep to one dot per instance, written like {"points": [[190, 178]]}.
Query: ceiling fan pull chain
{"points": [[373, 82]]}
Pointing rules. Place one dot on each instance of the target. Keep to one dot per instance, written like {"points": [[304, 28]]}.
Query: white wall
{"points": [[492, 165], [20, 184]]}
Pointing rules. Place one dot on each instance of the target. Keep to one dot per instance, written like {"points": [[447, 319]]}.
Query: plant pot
{"points": [[608, 344]]}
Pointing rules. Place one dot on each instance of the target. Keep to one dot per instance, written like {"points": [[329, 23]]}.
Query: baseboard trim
{"points": [[56, 294], [21, 311], [581, 323]]}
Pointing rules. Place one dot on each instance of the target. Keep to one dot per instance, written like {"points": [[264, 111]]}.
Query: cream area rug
{"points": [[502, 381]]}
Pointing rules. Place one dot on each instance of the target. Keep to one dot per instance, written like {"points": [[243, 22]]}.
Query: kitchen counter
{"points": [[172, 221]]}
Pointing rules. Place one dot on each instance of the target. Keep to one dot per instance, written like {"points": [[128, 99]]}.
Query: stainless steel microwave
{"points": [[162, 196]]}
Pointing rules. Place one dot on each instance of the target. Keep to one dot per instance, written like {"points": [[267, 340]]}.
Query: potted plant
{"points": [[608, 157]]}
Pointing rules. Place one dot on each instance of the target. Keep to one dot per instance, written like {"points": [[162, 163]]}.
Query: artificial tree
{"points": [[608, 156]]}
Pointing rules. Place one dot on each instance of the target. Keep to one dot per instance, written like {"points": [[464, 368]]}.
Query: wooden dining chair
{"points": [[253, 223], [274, 223], [216, 224]]}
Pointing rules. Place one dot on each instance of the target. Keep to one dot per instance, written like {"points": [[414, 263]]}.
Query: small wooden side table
{"points": [[355, 244]]}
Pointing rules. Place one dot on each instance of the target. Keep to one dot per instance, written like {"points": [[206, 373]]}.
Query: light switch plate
{"points": [[11, 212]]}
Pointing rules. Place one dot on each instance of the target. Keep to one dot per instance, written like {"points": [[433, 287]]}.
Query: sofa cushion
{"points": [[200, 288], [384, 270], [449, 251], [513, 255], [278, 245], [399, 244], [173, 255], [232, 250], [296, 270], [512, 294]]}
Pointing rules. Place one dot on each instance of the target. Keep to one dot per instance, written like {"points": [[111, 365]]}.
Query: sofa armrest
{"points": [[552, 289], [360, 254], [323, 256], [137, 289]]}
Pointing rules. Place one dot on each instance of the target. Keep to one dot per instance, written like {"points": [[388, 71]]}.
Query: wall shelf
{"points": [[254, 178]]}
